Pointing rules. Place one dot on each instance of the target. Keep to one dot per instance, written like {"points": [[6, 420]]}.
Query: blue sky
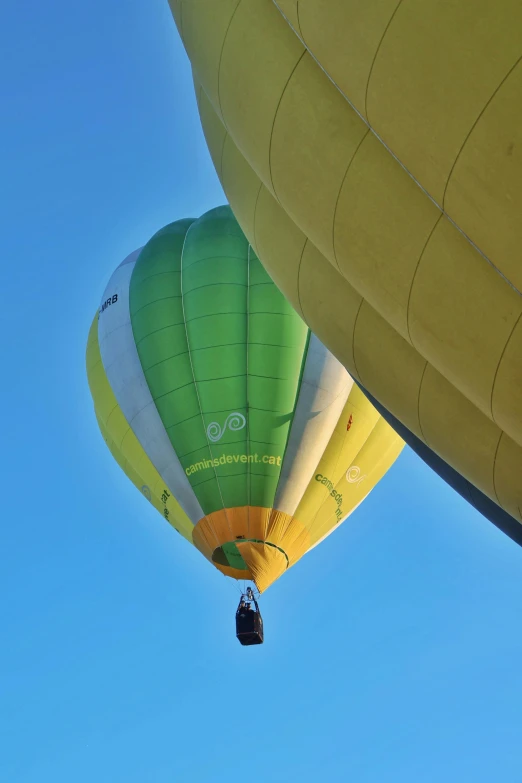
{"points": [[392, 651]]}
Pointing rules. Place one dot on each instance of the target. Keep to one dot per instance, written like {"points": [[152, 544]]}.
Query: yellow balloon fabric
{"points": [[372, 153]]}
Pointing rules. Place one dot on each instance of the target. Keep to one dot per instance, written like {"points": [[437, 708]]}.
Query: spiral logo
{"points": [[146, 491], [353, 475], [234, 422]]}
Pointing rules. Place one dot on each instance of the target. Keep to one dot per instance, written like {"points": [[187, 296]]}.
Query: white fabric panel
{"points": [[125, 375], [325, 387]]}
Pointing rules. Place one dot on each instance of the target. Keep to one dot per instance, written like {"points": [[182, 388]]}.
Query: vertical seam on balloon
{"points": [[275, 119], [255, 216], [498, 367], [339, 198], [249, 474], [195, 383], [410, 175], [502, 433], [300, 29], [473, 126], [383, 36], [296, 399], [106, 422], [418, 404], [415, 275], [363, 300], [299, 279], [222, 155], [173, 458], [291, 428], [220, 60]]}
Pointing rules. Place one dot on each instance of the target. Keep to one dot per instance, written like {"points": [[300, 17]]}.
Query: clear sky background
{"points": [[392, 651]]}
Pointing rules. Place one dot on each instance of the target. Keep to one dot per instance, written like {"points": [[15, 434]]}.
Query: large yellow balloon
{"points": [[372, 153]]}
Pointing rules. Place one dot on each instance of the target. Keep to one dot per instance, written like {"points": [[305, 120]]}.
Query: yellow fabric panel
{"points": [[118, 456], [507, 391], [250, 184], [266, 119], [325, 136], [437, 67], [467, 437], [342, 450], [296, 541], [344, 37], [96, 377], [204, 42], [483, 193], [507, 481], [231, 166], [131, 474], [115, 422], [377, 455], [380, 231], [283, 530], [288, 533], [131, 456], [290, 9], [370, 349], [443, 327], [276, 234], [244, 64], [388, 363], [326, 297], [265, 563]]}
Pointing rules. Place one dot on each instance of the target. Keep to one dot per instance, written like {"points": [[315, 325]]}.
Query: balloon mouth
{"points": [[251, 558], [251, 542], [229, 556]]}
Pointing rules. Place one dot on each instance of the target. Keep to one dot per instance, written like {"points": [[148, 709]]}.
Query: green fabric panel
{"points": [[222, 353], [215, 287], [277, 340], [230, 556], [158, 326]]}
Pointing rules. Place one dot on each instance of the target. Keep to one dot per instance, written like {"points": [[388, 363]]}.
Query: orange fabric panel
{"points": [[253, 522]]}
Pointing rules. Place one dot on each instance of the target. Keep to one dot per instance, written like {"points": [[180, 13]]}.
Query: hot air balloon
{"points": [[372, 153], [229, 416]]}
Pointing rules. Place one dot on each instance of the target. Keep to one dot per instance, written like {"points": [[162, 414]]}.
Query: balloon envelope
{"points": [[380, 184], [231, 418]]}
